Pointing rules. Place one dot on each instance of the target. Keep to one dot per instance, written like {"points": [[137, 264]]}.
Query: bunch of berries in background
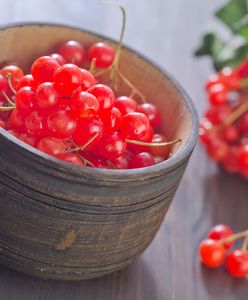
{"points": [[64, 110], [213, 250], [224, 128]]}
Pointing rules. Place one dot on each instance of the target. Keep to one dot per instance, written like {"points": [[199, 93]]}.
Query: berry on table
{"points": [[212, 253]]}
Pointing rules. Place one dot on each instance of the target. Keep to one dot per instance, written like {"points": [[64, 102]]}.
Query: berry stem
{"points": [[134, 90], [8, 99], [242, 108], [81, 148], [153, 144], [93, 66], [245, 244], [7, 108], [85, 161], [235, 236], [8, 77]]}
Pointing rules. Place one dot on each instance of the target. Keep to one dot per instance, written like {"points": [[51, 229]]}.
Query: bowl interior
{"points": [[24, 43]]}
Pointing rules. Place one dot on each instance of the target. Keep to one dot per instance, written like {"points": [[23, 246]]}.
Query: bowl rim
{"points": [[108, 174]]}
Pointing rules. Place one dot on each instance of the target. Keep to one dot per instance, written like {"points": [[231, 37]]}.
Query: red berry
{"points": [[243, 124], [237, 263], [67, 78], [126, 104], [3, 124], [84, 105], [17, 121], [230, 79], [71, 158], [26, 80], [61, 124], [141, 160], [87, 129], [87, 79], [44, 68], [218, 114], [104, 95], [152, 112], [147, 138], [213, 80], [112, 146], [36, 124], [218, 95], [47, 96], [120, 162], [14, 72], [220, 232], [73, 52], [231, 134], [212, 253], [3, 87], [25, 100], [218, 150], [206, 135], [59, 58], [162, 151], [32, 141], [134, 126], [111, 120], [51, 145], [103, 53]]}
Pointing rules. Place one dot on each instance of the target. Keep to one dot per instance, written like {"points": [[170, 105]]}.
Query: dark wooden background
{"points": [[167, 31]]}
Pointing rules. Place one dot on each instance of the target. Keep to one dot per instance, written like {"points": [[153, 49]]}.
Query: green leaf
{"points": [[235, 15], [211, 45], [222, 54]]}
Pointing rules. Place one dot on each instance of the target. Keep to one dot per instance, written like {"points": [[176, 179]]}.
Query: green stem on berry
{"points": [[8, 99], [8, 77], [81, 148], [165, 144], [235, 236], [93, 66]]}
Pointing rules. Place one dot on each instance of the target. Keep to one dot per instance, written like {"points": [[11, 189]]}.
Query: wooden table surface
{"points": [[167, 32]]}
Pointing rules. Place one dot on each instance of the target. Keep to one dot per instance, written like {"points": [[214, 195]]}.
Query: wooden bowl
{"points": [[62, 221]]}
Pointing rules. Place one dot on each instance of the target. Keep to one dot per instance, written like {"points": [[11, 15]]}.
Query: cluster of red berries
{"points": [[63, 110], [224, 129], [213, 251]]}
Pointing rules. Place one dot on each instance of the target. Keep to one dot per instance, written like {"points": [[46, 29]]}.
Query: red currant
{"points": [[36, 124], [84, 105], [44, 68], [237, 263], [73, 52], [212, 253], [103, 53], [220, 232], [126, 104], [25, 100], [51, 145], [134, 126], [71, 158], [26, 80], [61, 124], [67, 78], [218, 95], [87, 79], [47, 95], [152, 112], [59, 58], [141, 160], [14, 72], [104, 95], [112, 146]]}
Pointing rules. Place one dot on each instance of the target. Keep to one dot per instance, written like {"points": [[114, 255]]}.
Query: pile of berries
{"points": [[224, 129], [64, 110], [213, 251]]}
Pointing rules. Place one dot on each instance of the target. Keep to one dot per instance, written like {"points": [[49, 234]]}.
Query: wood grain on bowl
{"points": [[67, 222]]}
